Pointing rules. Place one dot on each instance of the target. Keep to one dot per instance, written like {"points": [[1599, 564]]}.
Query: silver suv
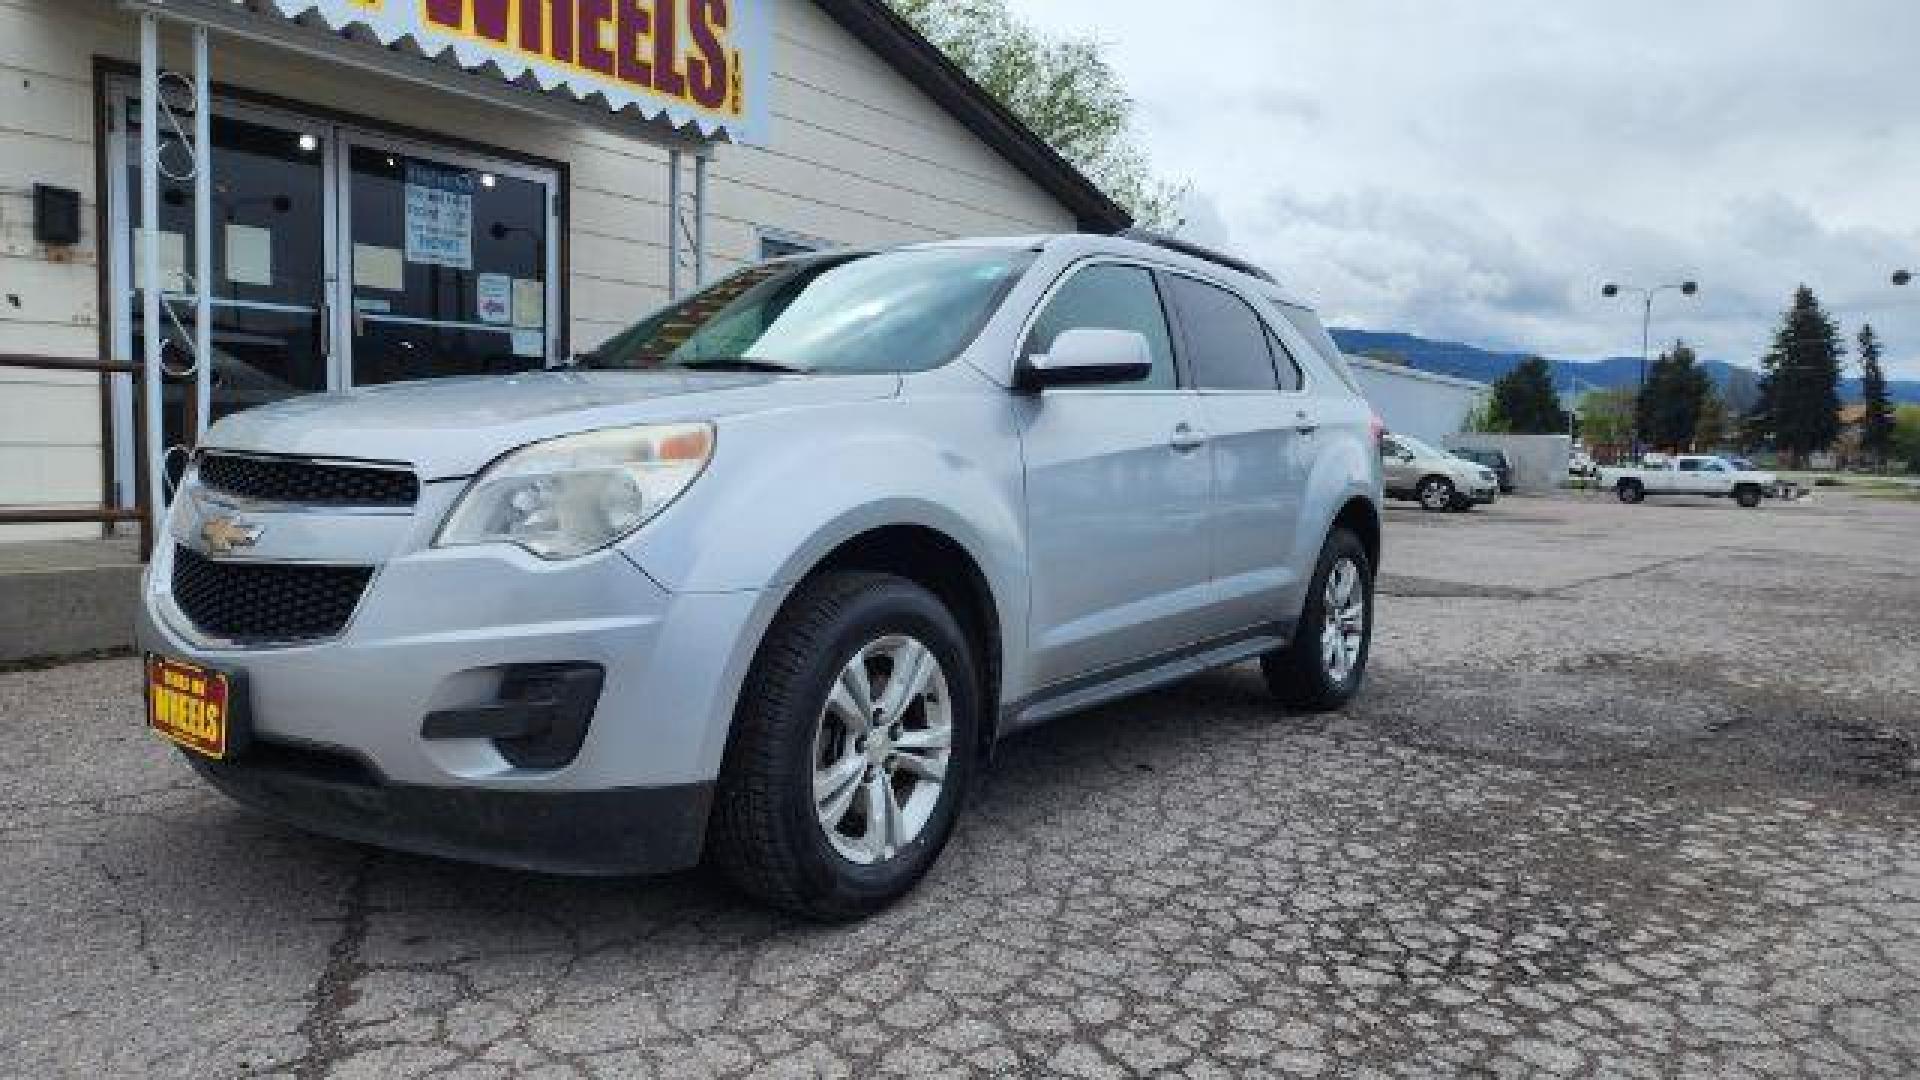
{"points": [[767, 575]]}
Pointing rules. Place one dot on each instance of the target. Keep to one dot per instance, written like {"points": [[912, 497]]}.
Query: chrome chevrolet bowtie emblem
{"points": [[223, 534]]}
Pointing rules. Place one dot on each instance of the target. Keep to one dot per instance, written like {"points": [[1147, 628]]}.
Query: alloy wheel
{"points": [[1343, 634], [881, 749]]}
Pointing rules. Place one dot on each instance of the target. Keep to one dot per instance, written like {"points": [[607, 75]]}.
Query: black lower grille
{"points": [[314, 483], [261, 602]]}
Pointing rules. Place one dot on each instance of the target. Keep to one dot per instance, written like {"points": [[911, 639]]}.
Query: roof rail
{"points": [[1187, 247]]}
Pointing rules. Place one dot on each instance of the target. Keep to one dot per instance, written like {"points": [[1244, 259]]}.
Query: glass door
{"points": [[452, 262], [271, 218]]}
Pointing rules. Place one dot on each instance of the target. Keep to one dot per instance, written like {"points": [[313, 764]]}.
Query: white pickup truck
{"points": [[1689, 474]]}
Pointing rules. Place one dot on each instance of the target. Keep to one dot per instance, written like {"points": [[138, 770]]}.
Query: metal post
{"points": [[1646, 328], [151, 329], [673, 225], [203, 236], [699, 220]]}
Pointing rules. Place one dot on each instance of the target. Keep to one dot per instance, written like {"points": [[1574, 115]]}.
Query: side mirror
{"points": [[1088, 356]]}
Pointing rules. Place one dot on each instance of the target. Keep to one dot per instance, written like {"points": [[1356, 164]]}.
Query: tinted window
{"points": [[1283, 364], [1690, 465], [1109, 297], [1226, 342]]}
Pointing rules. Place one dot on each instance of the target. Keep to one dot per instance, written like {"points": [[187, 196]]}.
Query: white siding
{"points": [[1427, 406], [858, 156]]}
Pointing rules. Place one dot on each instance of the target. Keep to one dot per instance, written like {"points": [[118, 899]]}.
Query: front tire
{"points": [[1748, 496], [853, 744], [1630, 492], [1436, 493], [1322, 668]]}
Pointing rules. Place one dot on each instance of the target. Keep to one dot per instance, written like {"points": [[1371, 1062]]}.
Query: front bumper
{"points": [[1483, 493], [613, 831], [438, 631]]}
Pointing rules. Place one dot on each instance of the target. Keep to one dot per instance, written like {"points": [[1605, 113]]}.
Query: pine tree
{"points": [[1669, 409], [1876, 424], [1799, 408], [1524, 401]]}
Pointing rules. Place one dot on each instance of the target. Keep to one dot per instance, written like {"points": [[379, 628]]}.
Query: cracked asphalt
{"points": [[1633, 792]]}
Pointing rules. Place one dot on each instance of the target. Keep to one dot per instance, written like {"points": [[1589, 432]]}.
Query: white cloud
{"points": [[1478, 170]]}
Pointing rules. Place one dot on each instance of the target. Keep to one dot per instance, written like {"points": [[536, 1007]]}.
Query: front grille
{"points": [[316, 483], [266, 602]]}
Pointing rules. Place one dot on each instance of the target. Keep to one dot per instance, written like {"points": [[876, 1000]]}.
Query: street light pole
{"points": [[1610, 290]]}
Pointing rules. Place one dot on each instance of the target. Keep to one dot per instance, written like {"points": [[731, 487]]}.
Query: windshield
{"points": [[903, 310]]}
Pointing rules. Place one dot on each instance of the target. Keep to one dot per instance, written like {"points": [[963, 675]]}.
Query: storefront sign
{"points": [[703, 62]]}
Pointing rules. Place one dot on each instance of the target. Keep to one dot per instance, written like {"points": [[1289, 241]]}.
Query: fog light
{"points": [[538, 719]]}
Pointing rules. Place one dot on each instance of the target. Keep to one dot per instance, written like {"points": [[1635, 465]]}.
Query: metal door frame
{"points": [[122, 154], [349, 136]]}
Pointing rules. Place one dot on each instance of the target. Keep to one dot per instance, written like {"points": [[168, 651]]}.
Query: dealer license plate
{"points": [[189, 705]]}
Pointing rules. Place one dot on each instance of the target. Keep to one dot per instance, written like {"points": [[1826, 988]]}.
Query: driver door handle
{"points": [[1186, 438], [1305, 424]]}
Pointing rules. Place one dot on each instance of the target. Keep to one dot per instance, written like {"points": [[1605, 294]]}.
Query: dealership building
{"points": [[327, 194]]}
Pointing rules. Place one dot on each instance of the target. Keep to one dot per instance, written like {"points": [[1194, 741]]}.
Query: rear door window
{"points": [[1227, 344], [1284, 365]]}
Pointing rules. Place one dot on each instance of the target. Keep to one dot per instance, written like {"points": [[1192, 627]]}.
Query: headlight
{"points": [[569, 496]]}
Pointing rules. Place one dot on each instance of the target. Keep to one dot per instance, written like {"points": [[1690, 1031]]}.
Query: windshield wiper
{"points": [[745, 363]]}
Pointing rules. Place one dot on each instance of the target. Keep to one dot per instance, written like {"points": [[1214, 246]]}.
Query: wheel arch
{"points": [[1362, 518], [942, 565]]}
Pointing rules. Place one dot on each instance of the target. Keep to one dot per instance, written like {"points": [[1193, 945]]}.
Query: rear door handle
{"points": [[1186, 438]]}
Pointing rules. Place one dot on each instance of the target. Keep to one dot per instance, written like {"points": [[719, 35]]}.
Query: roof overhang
{"points": [[713, 86]]}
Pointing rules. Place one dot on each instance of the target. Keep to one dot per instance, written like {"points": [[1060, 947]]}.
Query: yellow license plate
{"points": [[189, 705]]}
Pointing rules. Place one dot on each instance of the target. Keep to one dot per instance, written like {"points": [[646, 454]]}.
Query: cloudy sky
{"points": [[1475, 169]]}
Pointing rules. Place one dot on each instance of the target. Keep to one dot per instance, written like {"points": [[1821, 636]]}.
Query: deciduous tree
{"points": [[1064, 88], [1606, 418]]}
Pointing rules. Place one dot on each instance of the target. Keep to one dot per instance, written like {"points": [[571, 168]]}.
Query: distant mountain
{"points": [[1571, 377]]}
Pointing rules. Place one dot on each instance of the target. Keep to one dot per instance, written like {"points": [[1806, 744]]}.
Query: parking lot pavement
{"points": [[1632, 793]]}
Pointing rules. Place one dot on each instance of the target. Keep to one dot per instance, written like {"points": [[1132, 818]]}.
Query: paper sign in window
{"points": [[376, 267], [172, 249], [529, 303], [495, 298], [439, 206], [249, 255], [531, 344]]}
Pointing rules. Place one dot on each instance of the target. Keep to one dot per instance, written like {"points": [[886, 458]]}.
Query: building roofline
{"points": [[881, 29], [1370, 364]]}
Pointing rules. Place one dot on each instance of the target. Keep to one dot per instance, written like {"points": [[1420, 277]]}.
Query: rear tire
{"points": [[1436, 493], [800, 749], [1747, 496], [1630, 491], [1322, 668]]}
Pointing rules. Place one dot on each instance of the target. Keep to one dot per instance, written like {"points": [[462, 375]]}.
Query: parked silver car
{"points": [[1434, 478], [767, 575]]}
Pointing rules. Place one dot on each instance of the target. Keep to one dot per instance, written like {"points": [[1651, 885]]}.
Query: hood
{"points": [[448, 428]]}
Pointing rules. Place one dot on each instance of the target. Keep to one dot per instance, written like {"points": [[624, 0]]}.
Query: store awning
{"points": [[691, 70]]}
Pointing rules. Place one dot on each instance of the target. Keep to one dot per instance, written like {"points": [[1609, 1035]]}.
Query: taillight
{"points": [[1378, 427]]}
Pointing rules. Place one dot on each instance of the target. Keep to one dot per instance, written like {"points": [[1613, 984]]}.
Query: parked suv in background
{"points": [[1495, 460], [768, 574], [1434, 478]]}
